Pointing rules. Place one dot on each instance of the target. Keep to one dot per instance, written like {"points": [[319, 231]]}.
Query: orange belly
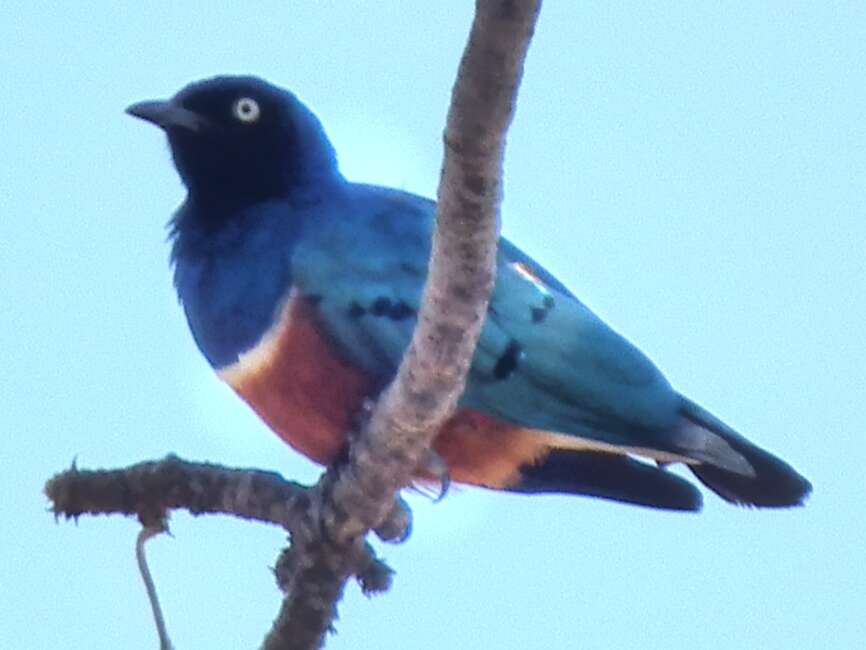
{"points": [[308, 396]]}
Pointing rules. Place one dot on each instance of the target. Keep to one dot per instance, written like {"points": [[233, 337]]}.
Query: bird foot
{"points": [[397, 526], [434, 470], [361, 417]]}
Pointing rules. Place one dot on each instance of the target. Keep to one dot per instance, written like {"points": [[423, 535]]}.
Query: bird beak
{"points": [[166, 114]]}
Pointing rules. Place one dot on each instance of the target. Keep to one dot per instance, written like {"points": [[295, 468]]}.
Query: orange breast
{"points": [[308, 396], [296, 384]]}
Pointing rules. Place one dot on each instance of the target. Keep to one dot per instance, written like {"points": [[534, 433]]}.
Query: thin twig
{"points": [[146, 533]]}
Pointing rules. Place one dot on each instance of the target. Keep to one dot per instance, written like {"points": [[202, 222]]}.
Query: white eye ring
{"points": [[247, 110]]}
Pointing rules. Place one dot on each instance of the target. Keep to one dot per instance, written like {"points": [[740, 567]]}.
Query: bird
{"points": [[302, 290]]}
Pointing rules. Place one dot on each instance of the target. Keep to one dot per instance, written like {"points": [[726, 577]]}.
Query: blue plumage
{"points": [[555, 398], [231, 278]]}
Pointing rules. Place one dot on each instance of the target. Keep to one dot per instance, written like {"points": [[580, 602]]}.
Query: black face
{"points": [[239, 140], [245, 143]]}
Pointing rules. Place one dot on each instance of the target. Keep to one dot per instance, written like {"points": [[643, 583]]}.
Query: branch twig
{"points": [[141, 558]]}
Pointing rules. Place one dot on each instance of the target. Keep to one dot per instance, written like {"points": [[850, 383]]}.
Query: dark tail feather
{"points": [[775, 484], [608, 476]]}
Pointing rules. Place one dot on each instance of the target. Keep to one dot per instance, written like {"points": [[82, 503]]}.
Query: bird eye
{"points": [[246, 110]]}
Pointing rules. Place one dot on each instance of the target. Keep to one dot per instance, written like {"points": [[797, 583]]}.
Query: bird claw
{"points": [[435, 467]]}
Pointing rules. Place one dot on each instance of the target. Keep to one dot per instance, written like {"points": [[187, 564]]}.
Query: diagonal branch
{"points": [[433, 372], [151, 489]]}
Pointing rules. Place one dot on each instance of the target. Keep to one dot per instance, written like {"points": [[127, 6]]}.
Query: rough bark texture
{"points": [[151, 489], [433, 371], [329, 522]]}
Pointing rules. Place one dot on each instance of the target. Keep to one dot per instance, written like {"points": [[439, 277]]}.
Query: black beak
{"points": [[167, 114]]}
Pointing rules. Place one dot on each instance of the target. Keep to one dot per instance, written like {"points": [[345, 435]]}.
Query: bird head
{"points": [[239, 140]]}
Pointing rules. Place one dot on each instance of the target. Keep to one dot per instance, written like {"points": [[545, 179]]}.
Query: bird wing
{"points": [[366, 263], [544, 360]]}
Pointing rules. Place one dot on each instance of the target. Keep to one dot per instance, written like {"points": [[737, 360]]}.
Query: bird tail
{"points": [[607, 476], [764, 481]]}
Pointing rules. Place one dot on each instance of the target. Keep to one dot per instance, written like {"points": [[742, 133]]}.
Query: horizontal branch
{"points": [[150, 490]]}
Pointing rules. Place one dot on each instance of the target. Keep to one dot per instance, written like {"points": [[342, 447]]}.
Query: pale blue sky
{"points": [[694, 171]]}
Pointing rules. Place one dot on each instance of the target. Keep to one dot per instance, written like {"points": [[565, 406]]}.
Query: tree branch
{"points": [[433, 372], [152, 488], [329, 522]]}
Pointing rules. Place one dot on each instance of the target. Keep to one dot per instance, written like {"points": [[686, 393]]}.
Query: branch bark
{"points": [[151, 489], [329, 522], [433, 372]]}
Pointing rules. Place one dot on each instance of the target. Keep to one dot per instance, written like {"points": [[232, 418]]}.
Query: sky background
{"points": [[695, 172]]}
